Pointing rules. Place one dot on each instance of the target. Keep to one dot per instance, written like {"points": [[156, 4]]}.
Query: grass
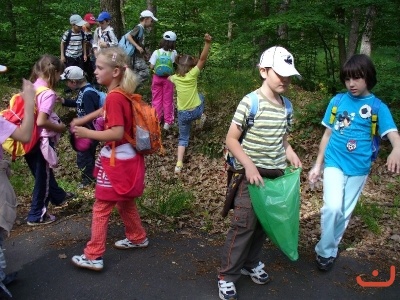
{"points": [[168, 199], [370, 213]]}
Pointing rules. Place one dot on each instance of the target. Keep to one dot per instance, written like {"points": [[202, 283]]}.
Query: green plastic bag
{"points": [[277, 206]]}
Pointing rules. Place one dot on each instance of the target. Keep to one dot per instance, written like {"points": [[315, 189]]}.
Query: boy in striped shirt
{"points": [[73, 45], [264, 152]]}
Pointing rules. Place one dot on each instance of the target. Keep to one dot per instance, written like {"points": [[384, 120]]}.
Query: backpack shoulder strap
{"points": [[254, 105], [336, 102], [83, 36], [68, 39], [374, 115], [288, 108]]}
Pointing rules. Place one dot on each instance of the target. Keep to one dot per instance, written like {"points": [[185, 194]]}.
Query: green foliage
{"points": [[166, 198], [371, 214], [21, 179]]}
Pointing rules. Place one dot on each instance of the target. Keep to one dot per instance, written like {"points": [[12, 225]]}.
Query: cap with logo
{"points": [[89, 18], [280, 60], [72, 73], [76, 20], [169, 36], [148, 14]]}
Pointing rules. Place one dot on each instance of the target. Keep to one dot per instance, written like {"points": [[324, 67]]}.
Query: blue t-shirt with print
{"points": [[349, 147]]}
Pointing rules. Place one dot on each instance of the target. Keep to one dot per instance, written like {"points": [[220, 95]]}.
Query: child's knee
{"points": [[183, 142]]}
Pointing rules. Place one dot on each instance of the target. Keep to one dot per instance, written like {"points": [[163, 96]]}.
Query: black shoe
{"points": [[325, 264]]}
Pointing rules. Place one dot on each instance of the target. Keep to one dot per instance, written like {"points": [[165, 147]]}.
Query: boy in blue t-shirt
{"points": [[346, 151]]}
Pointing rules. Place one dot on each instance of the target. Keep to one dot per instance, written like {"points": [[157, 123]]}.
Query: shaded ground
{"points": [[180, 265]]}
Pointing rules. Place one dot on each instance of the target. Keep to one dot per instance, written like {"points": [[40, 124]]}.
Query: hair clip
{"points": [[114, 57]]}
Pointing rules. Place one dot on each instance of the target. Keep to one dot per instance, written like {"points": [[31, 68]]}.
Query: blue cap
{"points": [[103, 16]]}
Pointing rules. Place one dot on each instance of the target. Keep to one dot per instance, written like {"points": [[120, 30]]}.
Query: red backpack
{"points": [[15, 114]]}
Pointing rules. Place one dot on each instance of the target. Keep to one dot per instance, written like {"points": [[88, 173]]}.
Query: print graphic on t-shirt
{"points": [[351, 145], [344, 120], [365, 111]]}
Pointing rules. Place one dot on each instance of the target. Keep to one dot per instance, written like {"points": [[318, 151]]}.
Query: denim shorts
{"points": [[185, 119]]}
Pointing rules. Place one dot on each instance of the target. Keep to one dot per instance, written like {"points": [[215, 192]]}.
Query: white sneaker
{"points": [[82, 262], [178, 169], [201, 121], [257, 274], [227, 290], [127, 244], [167, 126]]}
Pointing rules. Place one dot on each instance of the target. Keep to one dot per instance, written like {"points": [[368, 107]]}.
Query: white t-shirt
{"points": [[154, 56]]}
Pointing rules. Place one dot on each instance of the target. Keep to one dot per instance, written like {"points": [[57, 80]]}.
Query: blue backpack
{"points": [[250, 121], [164, 65], [125, 44], [102, 95], [375, 138]]}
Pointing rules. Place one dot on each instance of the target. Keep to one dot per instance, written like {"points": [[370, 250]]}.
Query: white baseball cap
{"points": [[169, 36], [72, 73], [148, 14], [280, 60], [3, 68], [76, 20]]}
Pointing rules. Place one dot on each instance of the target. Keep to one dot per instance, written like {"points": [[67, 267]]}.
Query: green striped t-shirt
{"points": [[264, 140]]}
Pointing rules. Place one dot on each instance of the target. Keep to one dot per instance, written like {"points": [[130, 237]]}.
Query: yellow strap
{"points": [[374, 121], [333, 114]]}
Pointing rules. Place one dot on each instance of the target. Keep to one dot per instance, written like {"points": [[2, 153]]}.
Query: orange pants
{"points": [[134, 230]]}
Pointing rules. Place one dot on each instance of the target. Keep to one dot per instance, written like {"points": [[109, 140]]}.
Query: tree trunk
{"points": [[354, 33], [264, 6], [115, 9], [230, 23], [13, 29], [283, 28], [366, 45], [340, 12]]}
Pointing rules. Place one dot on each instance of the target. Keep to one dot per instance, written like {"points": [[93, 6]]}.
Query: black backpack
{"points": [[69, 39]]}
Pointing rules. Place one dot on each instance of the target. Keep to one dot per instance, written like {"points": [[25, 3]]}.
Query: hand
{"points": [[85, 58], [80, 131], [295, 161], [140, 49], [62, 128], [207, 38], [393, 161], [315, 173], [60, 99], [75, 122], [103, 45], [28, 93], [253, 176]]}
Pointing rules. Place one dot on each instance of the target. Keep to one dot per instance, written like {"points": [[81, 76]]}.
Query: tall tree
{"points": [[354, 34], [366, 46], [115, 9]]}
